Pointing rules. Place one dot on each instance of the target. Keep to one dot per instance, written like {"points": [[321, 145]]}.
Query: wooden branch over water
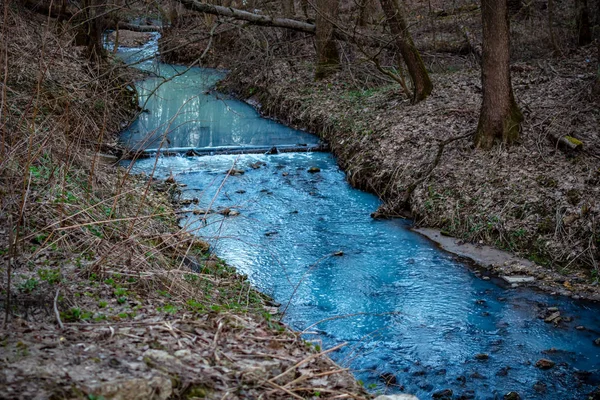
{"points": [[287, 23], [213, 151]]}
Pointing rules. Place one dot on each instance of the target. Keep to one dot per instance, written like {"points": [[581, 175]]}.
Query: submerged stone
{"points": [[544, 363], [313, 170], [445, 394]]}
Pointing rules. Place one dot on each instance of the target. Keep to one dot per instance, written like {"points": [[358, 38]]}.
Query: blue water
{"points": [[403, 306]]}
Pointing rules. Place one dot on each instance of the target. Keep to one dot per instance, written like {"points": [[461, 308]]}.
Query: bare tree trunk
{"points": [[500, 117], [365, 10], [416, 68], [555, 47], [304, 5], [596, 87], [584, 32], [288, 8], [93, 11], [328, 57]]}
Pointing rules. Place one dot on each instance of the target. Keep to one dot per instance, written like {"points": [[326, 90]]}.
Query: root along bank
{"points": [[103, 295], [537, 198]]}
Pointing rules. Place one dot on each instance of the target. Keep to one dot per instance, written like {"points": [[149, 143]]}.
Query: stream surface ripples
{"points": [[406, 308]]}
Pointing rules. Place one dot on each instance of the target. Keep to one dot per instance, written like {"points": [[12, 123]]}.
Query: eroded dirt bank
{"points": [[106, 296], [537, 199]]}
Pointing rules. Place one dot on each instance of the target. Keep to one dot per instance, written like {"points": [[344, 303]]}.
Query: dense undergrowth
{"points": [[103, 294], [536, 199]]}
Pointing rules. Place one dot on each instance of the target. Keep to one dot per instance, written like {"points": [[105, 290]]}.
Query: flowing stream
{"points": [[411, 314]]}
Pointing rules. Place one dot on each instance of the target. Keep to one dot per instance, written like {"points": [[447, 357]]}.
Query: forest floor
{"points": [[536, 199], [105, 296]]}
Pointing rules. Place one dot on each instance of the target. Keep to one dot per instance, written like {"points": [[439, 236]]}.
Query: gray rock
{"points": [[552, 317], [517, 278], [397, 397], [156, 388]]}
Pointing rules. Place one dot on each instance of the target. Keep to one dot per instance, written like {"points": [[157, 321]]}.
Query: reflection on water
{"points": [[409, 309], [181, 112]]}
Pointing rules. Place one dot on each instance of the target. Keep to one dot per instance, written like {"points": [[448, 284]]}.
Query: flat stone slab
{"points": [[481, 254], [517, 278]]}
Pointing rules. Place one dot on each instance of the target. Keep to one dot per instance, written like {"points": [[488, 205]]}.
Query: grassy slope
{"points": [[108, 296]]}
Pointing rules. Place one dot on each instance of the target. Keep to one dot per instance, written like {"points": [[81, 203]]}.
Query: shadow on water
{"points": [[414, 315]]}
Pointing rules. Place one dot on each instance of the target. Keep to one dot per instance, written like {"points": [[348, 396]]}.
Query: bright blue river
{"points": [[405, 308]]}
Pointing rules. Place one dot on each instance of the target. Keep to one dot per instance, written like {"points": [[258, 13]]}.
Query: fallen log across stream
{"points": [[223, 150]]}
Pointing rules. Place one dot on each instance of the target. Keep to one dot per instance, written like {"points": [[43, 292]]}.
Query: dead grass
{"points": [[108, 296]]}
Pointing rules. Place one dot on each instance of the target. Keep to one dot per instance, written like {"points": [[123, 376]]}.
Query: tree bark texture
{"points": [[414, 63], [500, 118], [584, 31], [365, 11], [328, 57], [288, 8], [596, 87]]}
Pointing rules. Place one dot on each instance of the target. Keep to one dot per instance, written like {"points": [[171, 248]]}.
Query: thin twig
{"points": [[56, 313]]}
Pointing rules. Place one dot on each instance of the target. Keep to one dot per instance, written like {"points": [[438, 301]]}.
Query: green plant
{"points": [[102, 304], [190, 278], [52, 276], [76, 314], [168, 308], [28, 286], [195, 305]]}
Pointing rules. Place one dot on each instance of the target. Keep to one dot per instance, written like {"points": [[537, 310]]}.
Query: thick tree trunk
{"points": [[584, 32], [416, 68], [328, 57], [500, 117], [94, 26]]}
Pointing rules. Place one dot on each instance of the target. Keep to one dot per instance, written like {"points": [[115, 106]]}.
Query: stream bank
{"points": [[109, 298]]}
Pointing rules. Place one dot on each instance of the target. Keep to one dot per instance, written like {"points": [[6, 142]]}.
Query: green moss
{"points": [[576, 142]]}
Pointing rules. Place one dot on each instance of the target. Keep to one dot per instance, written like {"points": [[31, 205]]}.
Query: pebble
{"points": [[486, 278], [512, 396], [597, 342], [338, 253], [312, 170], [580, 327], [552, 317], [481, 356]]}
